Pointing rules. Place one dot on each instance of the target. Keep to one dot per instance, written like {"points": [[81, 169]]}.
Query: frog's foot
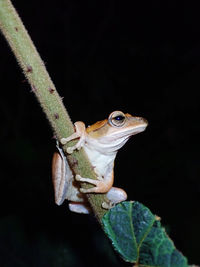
{"points": [[80, 133], [115, 195], [79, 207], [100, 185], [107, 205]]}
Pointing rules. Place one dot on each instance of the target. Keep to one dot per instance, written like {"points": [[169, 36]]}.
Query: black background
{"points": [[141, 57]]}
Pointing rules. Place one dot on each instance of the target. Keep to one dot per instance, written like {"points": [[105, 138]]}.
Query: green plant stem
{"points": [[45, 91]]}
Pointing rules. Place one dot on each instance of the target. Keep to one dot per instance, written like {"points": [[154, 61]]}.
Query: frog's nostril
{"points": [[140, 119]]}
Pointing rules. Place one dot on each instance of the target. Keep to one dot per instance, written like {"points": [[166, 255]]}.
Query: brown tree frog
{"points": [[101, 142]]}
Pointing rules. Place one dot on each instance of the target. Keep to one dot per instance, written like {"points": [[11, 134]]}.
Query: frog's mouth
{"points": [[112, 143], [128, 132]]}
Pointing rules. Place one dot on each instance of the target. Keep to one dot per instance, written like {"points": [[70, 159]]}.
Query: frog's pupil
{"points": [[119, 118]]}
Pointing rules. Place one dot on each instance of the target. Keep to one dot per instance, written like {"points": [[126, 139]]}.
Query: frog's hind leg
{"points": [[79, 207], [115, 195]]}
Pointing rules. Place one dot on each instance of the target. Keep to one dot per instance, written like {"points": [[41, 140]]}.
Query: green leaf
{"points": [[139, 238]]}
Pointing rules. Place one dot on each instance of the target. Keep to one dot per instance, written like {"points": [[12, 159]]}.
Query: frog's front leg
{"points": [[80, 133]]}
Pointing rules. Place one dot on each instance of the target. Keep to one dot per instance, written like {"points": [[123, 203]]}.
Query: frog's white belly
{"points": [[101, 162]]}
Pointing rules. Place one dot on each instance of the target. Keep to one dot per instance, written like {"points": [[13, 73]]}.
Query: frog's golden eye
{"points": [[117, 119]]}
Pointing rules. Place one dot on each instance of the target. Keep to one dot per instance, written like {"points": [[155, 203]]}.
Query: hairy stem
{"points": [[45, 91]]}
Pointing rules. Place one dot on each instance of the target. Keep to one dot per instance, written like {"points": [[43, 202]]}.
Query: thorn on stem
{"points": [[51, 90], [74, 162], [56, 116], [33, 89], [16, 29], [29, 69]]}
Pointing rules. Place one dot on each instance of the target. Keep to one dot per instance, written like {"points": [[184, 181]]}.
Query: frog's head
{"points": [[125, 125], [113, 132]]}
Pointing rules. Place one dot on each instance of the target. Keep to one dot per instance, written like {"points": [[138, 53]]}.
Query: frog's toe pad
{"points": [[83, 190], [63, 141], [78, 177], [107, 205], [70, 150]]}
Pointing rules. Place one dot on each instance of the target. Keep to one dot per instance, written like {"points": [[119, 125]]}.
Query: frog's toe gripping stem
{"points": [[88, 180], [71, 149], [107, 205], [100, 186], [80, 133]]}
